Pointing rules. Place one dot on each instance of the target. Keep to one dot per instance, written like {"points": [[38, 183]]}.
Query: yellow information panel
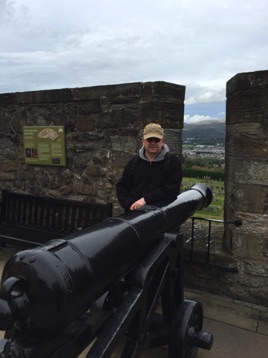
{"points": [[44, 145]]}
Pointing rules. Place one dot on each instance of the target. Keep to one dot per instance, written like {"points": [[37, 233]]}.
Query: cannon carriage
{"points": [[117, 285]]}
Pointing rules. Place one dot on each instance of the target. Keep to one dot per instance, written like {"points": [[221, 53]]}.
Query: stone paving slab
{"points": [[234, 342], [229, 342], [239, 314]]}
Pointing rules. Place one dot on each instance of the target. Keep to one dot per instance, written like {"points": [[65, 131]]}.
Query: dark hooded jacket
{"points": [[155, 181]]}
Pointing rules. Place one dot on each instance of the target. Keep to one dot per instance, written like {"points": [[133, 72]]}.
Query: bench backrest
{"points": [[62, 215]]}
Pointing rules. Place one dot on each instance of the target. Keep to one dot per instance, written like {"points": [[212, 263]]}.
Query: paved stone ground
{"points": [[240, 330]]}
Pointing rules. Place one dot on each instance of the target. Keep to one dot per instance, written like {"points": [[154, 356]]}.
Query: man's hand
{"points": [[138, 204]]}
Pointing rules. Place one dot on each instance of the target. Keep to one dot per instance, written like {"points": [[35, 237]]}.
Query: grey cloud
{"points": [[200, 44]]}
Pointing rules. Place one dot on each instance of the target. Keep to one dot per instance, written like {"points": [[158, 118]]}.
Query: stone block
{"points": [[246, 106], [7, 176], [246, 140], [84, 188], [109, 91], [116, 118], [8, 165], [163, 112], [247, 171], [126, 144], [237, 200], [2, 122], [163, 89], [85, 123], [91, 106], [249, 241], [247, 81]]}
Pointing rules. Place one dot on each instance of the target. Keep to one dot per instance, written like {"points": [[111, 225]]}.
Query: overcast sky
{"points": [[201, 44]]}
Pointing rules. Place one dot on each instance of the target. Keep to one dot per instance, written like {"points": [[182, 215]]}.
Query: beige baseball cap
{"points": [[153, 130]]}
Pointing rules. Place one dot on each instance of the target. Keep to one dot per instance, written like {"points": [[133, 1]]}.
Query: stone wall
{"points": [[103, 129], [246, 180]]}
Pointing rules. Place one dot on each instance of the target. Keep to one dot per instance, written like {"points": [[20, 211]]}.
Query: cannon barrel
{"points": [[47, 287]]}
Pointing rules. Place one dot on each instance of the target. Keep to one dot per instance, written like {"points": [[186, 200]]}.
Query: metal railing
{"points": [[209, 239]]}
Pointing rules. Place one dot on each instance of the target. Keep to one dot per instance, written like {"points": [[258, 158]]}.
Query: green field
{"points": [[215, 210], [202, 172]]}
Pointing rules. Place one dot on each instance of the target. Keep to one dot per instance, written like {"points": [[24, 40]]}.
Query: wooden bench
{"points": [[33, 220]]}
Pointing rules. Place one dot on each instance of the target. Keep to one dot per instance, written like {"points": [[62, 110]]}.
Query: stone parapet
{"points": [[103, 129]]}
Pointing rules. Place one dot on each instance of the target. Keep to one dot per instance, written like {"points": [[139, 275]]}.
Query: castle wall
{"points": [[246, 180], [103, 129]]}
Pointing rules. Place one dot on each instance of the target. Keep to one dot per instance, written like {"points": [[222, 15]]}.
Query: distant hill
{"points": [[205, 132]]}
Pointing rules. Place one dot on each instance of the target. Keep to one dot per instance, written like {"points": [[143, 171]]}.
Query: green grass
{"points": [[215, 209]]}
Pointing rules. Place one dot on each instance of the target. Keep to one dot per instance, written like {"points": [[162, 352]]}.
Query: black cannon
{"points": [[115, 285]]}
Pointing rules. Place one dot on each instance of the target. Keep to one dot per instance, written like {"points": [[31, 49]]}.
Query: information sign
{"points": [[44, 145]]}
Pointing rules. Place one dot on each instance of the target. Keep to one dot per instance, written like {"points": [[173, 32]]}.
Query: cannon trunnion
{"points": [[118, 283]]}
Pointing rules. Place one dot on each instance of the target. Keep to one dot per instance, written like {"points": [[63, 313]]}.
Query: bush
{"points": [[216, 174]]}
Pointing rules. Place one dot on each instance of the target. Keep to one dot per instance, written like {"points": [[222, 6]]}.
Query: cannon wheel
{"points": [[188, 321]]}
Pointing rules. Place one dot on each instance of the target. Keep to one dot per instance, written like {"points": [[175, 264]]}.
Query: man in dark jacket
{"points": [[152, 176]]}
